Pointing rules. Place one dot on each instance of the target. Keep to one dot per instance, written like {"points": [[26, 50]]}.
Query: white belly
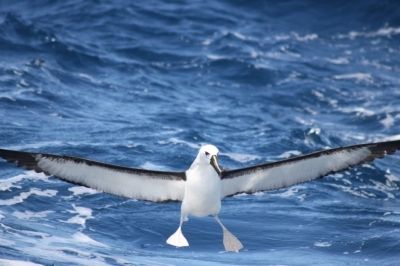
{"points": [[202, 193]]}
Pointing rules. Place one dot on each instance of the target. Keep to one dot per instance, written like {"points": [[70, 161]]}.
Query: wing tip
{"points": [[380, 149], [22, 159]]}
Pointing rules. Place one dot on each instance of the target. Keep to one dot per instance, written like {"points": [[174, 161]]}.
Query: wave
{"points": [[24, 195]]}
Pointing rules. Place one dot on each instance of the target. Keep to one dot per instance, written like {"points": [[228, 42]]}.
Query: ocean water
{"points": [[145, 83]]}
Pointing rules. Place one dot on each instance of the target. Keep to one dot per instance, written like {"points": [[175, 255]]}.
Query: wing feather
{"points": [[304, 168], [123, 181]]}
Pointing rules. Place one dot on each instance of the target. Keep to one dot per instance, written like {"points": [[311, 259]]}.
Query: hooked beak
{"points": [[214, 163]]}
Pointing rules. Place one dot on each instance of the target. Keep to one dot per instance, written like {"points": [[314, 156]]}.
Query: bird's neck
{"points": [[198, 162]]}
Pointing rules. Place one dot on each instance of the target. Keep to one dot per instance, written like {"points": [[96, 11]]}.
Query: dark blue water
{"points": [[144, 83]]}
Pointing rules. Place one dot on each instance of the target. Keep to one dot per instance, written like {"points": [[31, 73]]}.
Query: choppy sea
{"points": [[145, 83]]}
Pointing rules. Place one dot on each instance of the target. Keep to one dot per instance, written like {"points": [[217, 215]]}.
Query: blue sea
{"points": [[145, 83]]}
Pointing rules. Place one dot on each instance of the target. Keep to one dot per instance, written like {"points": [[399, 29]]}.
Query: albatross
{"points": [[202, 187]]}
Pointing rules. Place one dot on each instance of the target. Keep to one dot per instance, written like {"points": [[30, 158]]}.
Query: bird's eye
{"points": [[207, 153]]}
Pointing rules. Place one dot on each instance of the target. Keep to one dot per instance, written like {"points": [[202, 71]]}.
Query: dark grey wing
{"points": [[304, 168], [124, 181]]}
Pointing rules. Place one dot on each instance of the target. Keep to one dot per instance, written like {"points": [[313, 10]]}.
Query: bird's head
{"points": [[209, 154]]}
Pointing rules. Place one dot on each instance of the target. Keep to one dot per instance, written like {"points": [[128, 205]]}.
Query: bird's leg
{"points": [[177, 239], [231, 243]]}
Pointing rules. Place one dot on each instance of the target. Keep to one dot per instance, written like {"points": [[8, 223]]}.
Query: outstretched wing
{"points": [[300, 169], [123, 181]]}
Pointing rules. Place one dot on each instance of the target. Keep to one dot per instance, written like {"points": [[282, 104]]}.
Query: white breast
{"points": [[202, 193]]}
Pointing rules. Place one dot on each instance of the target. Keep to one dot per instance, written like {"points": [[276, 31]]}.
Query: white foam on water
{"points": [[53, 143], [387, 138], [58, 249], [305, 38], [360, 111], [179, 141], [282, 37], [7, 96], [254, 53], [223, 33], [12, 182], [288, 193], [302, 121], [6, 243], [323, 98], [388, 121], [347, 189], [37, 145], [207, 41], [337, 175], [214, 57], [63, 250], [388, 188], [23, 232], [83, 214], [314, 130], [378, 65], [236, 34], [288, 154], [239, 195], [89, 78], [391, 177], [15, 94], [7, 184], [239, 35], [296, 36], [385, 189], [80, 190], [369, 166], [346, 181], [24, 195], [82, 238], [358, 77], [27, 215], [283, 54], [241, 157], [291, 192], [338, 61], [318, 94], [291, 78], [322, 244], [6, 262], [385, 31]]}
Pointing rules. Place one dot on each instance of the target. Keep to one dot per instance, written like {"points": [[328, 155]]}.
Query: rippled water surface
{"points": [[144, 83]]}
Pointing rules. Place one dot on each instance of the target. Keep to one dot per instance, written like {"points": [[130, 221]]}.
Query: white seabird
{"points": [[202, 187]]}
